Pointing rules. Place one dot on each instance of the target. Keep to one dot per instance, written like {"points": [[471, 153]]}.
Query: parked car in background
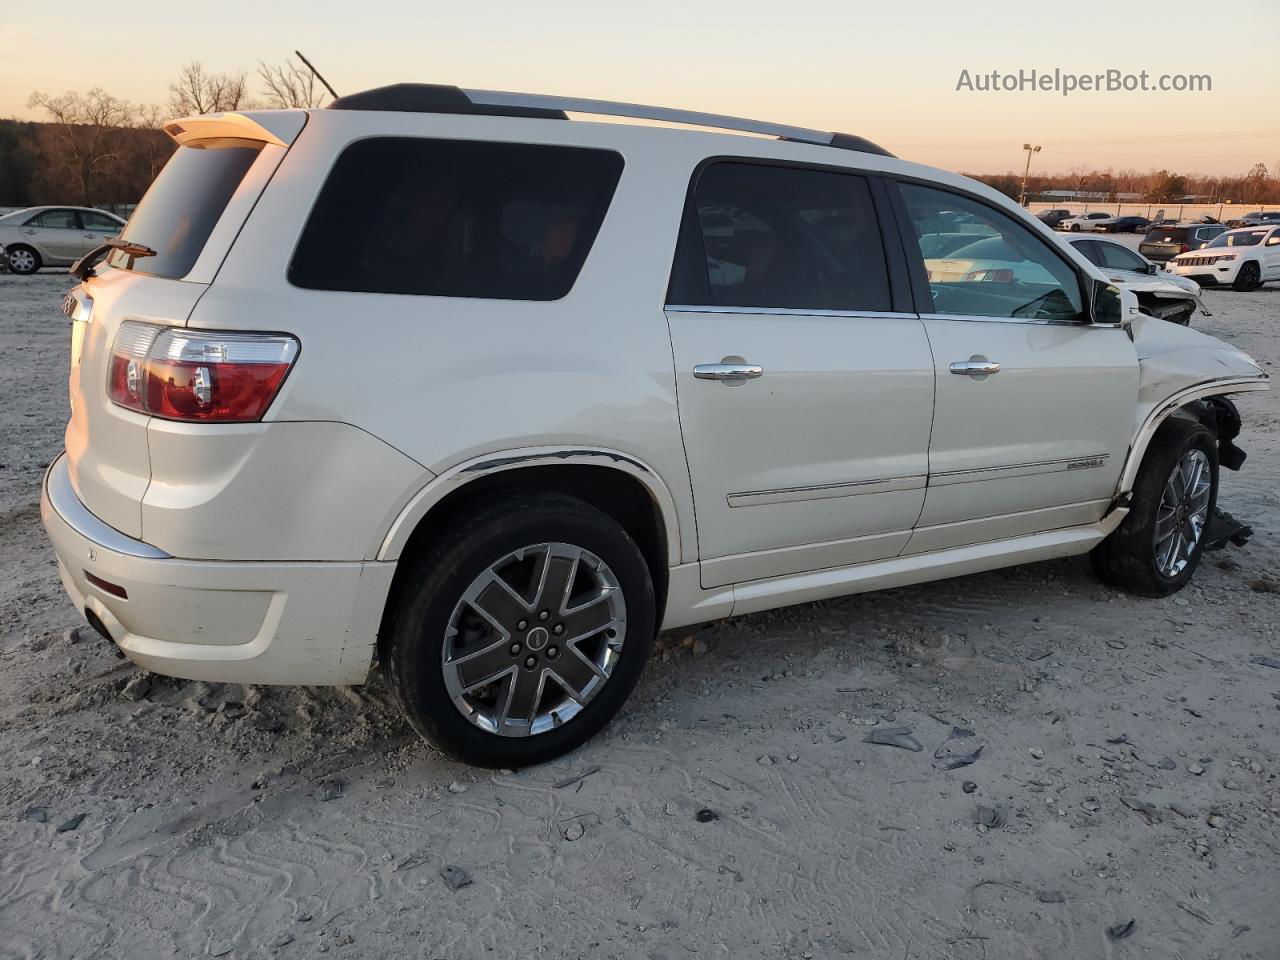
{"points": [[1126, 224], [1259, 218], [1051, 218], [1244, 259], [1160, 293], [53, 236], [1164, 243], [1083, 221], [448, 380]]}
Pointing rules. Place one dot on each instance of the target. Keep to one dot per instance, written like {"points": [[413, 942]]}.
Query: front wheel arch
{"points": [[1184, 404], [36, 259]]}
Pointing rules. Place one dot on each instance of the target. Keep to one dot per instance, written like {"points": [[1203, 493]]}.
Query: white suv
{"points": [[444, 379], [1243, 259]]}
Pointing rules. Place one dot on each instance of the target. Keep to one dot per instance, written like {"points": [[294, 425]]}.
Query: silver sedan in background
{"points": [[53, 236]]}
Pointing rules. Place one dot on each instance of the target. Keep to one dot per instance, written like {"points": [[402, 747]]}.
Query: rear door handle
{"points": [[977, 367], [731, 372]]}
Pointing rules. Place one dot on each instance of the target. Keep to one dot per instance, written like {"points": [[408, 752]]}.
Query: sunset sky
{"points": [[887, 71]]}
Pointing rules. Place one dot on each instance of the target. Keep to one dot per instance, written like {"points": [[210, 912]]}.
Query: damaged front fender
{"points": [[1178, 366]]}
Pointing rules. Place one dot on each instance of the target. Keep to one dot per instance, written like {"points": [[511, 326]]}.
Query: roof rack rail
{"points": [[440, 98]]}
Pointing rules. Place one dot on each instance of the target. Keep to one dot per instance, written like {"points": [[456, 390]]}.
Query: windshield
{"points": [[1238, 238], [183, 205]]}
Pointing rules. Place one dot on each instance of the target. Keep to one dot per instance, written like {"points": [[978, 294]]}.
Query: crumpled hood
{"points": [[1172, 358]]}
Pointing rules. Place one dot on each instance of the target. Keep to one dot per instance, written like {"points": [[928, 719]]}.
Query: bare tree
{"points": [[290, 85], [196, 92], [150, 149], [81, 146]]}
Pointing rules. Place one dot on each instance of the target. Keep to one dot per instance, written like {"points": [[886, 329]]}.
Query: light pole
{"points": [[1030, 150]]}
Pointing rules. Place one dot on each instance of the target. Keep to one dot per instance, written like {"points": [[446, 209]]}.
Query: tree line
{"points": [[1255, 186], [95, 149]]}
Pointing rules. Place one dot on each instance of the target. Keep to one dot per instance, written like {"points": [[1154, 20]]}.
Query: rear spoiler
{"points": [[279, 127]]}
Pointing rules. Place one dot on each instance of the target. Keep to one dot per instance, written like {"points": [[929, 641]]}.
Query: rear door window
{"points": [[99, 222], [183, 205], [454, 218], [780, 237]]}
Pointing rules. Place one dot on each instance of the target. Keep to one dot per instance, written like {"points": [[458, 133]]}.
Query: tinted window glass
{"points": [[781, 238], [1120, 258], [455, 218], [1167, 235], [1087, 247], [55, 219], [183, 205], [1238, 238], [1007, 271], [99, 222]]}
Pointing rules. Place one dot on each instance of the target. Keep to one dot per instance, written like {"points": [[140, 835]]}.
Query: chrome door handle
{"points": [[733, 372], [977, 367]]}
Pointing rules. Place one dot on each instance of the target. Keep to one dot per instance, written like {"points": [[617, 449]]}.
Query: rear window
{"points": [[183, 205], [768, 237], [1167, 235], [456, 218]]}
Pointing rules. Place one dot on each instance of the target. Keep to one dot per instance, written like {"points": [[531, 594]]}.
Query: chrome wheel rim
{"points": [[534, 639], [20, 261], [1184, 508]]}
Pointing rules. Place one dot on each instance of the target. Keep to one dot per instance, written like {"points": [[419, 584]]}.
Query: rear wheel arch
{"points": [[642, 508]]}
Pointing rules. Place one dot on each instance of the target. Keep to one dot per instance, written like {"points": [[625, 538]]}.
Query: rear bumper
{"points": [[223, 621]]}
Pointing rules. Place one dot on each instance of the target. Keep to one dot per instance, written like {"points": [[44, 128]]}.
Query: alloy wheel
{"points": [[1183, 511], [534, 639]]}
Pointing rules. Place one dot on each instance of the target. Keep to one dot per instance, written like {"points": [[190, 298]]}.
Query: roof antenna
{"points": [[332, 92]]}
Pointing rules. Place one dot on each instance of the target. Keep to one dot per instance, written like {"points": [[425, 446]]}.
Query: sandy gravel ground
{"points": [[1128, 769]]}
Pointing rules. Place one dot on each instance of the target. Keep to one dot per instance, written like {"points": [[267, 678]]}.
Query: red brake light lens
{"points": [[198, 375]]}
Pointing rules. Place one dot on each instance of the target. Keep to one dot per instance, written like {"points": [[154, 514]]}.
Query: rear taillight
{"points": [[197, 375], [1184, 248]]}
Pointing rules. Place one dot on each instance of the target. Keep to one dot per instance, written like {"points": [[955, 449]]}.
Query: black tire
{"points": [[22, 260], [1075, 228], [1127, 558], [1249, 277], [430, 589]]}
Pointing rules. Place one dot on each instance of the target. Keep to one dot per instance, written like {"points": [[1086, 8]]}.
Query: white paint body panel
{"points": [[837, 471], [1039, 434], [820, 462]]}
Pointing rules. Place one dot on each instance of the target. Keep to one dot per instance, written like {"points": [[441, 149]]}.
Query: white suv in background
{"points": [[1243, 259], [1084, 221], [446, 380]]}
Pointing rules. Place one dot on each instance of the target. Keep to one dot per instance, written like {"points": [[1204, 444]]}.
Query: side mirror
{"points": [[1152, 268], [1106, 305]]}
